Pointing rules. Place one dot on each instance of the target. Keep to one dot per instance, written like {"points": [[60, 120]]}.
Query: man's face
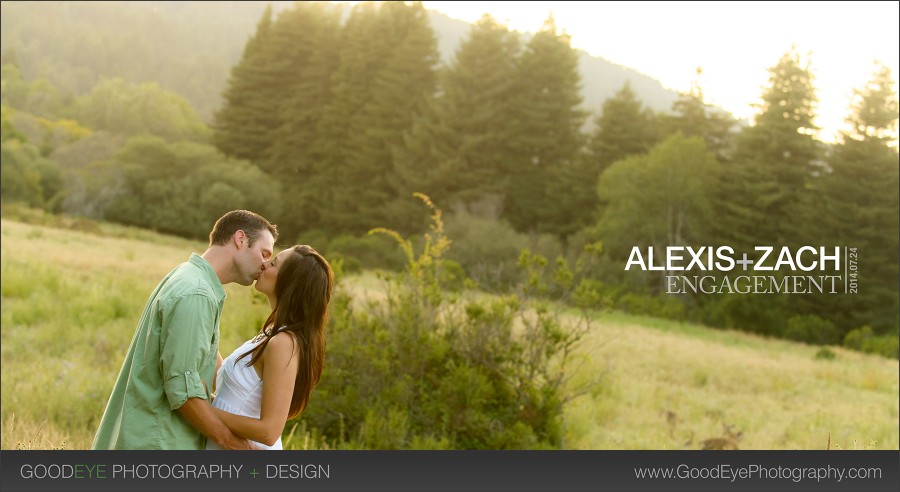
{"points": [[250, 259]]}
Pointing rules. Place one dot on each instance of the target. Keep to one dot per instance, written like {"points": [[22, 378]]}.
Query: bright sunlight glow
{"points": [[733, 42]]}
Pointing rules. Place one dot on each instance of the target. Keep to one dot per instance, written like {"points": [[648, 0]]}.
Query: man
{"points": [[162, 394]]}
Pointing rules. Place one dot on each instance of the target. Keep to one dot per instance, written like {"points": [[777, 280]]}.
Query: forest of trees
{"points": [[330, 123]]}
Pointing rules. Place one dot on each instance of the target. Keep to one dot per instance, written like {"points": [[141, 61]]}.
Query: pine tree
{"points": [[548, 137], [401, 91], [762, 190], [624, 128], [773, 161], [242, 127], [386, 77], [457, 150], [286, 56], [359, 54], [693, 117], [315, 28], [428, 160], [874, 116], [857, 206]]}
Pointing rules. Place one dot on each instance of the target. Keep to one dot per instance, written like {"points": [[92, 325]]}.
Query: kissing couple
{"points": [[174, 390]]}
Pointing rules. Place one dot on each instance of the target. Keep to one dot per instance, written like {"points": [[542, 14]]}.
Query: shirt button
{"points": [[188, 373]]}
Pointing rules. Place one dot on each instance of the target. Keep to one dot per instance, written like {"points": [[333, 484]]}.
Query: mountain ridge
{"points": [[190, 48], [600, 78]]}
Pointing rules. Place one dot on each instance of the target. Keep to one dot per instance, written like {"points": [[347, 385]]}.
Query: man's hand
{"points": [[235, 442], [199, 413]]}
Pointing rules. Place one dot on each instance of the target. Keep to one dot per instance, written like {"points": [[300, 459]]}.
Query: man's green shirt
{"points": [[172, 357]]}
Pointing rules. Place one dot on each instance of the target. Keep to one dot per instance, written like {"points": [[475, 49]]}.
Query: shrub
{"points": [[365, 252], [29, 178], [825, 354], [486, 249], [428, 370], [810, 328], [865, 340], [663, 307]]}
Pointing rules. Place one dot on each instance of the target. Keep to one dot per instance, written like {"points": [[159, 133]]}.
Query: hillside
{"points": [[190, 47], [71, 311]]}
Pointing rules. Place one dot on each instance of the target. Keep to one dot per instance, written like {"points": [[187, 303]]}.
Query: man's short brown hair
{"points": [[251, 223]]}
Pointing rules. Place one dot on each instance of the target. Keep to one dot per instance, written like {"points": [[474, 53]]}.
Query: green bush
{"points": [[757, 313], [659, 306], [176, 188], [486, 249], [825, 354], [428, 370], [810, 328], [317, 238], [366, 252], [865, 340], [27, 177], [124, 108]]}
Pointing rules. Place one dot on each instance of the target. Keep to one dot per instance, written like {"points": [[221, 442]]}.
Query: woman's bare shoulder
{"points": [[283, 344]]}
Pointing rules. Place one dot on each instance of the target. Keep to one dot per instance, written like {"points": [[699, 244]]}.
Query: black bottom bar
{"points": [[470, 471]]}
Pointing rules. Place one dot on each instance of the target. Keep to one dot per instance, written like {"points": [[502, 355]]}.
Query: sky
{"points": [[735, 43]]}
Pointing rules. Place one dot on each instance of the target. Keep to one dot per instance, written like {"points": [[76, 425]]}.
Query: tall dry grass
{"points": [[672, 386], [72, 295]]}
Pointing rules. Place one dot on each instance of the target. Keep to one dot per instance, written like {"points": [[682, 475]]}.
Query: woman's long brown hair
{"points": [[302, 292]]}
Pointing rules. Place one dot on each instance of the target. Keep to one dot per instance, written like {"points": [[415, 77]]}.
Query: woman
{"points": [[288, 354]]}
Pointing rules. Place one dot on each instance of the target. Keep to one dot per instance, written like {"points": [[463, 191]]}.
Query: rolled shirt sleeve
{"points": [[187, 339]]}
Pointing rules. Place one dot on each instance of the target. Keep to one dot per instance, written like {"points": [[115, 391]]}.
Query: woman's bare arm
{"points": [[280, 362]]}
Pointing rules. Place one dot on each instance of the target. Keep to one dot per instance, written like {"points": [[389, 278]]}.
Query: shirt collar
{"points": [[211, 276]]}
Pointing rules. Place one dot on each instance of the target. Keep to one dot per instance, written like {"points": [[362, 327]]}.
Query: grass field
{"points": [[71, 297]]}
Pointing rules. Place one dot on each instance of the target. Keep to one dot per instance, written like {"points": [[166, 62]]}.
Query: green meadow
{"points": [[72, 292]]}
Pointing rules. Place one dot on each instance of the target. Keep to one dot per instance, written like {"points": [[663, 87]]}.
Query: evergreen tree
{"points": [[874, 112], [7, 130], [547, 136], [857, 206], [360, 53], [310, 33], [244, 127], [762, 191], [456, 151], [773, 161], [402, 89], [316, 28], [428, 160], [624, 128], [281, 56], [693, 117], [386, 77]]}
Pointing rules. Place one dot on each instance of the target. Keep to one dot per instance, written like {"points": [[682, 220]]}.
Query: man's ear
{"points": [[239, 239]]}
